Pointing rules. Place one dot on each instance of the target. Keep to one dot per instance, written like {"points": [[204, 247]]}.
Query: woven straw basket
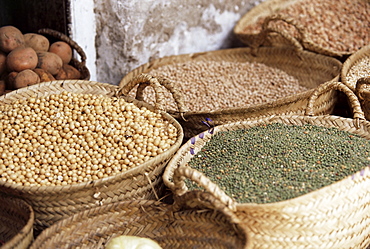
{"points": [[16, 223], [293, 34], [310, 69], [335, 216], [158, 221], [52, 203], [80, 65], [363, 93], [358, 78]]}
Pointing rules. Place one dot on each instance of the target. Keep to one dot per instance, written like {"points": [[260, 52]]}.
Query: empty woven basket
{"points": [[158, 221]]}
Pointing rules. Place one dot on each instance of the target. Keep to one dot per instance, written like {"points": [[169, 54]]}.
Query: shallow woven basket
{"points": [[158, 221], [269, 35], [79, 64], [16, 223], [309, 68], [52, 203], [361, 85], [335, 216]]}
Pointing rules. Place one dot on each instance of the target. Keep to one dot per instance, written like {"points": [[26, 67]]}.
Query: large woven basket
{"points": [[158, 221], [293, 33], [78, 63], [310, 69], [335, 216], [16, 223], [54, 203]]}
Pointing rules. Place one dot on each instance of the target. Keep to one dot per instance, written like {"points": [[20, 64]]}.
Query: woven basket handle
{"points": [[65, 38], [360, 84], [217, 198], [334, 85], [267, 29], [143, 80], [302, 41]]}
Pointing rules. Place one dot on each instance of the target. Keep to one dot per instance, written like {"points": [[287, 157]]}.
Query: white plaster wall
{"points": [[120, 35], [83, 30]]}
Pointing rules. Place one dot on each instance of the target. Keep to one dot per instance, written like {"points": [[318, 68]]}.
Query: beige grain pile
{"points": [[213, 85]]}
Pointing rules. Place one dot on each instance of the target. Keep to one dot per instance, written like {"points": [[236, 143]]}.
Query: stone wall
{"points": [[132, 32]]}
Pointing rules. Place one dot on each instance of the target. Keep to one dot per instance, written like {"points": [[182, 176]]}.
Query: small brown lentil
{"points": [[212, 85], [340, 25]]}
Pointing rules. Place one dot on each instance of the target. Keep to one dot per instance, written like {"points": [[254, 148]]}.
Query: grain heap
{"points": [[338, 25], [69, 138], [252, 165], [212, 85], [358, 70]]}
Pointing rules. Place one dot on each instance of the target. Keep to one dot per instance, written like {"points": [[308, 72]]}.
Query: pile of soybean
{"points": [[275, 162]]}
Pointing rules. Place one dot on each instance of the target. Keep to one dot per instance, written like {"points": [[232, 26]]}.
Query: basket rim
{"points": [[224, 55], [354, 58], [84, 185], [180, 158], [26, 233], [248, 54], [266, 9], [104, 210], [262, 9]]}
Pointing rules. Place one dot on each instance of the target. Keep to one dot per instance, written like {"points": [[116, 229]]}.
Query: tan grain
{"points": [[212, 85], [359, 69], [341, 25]]}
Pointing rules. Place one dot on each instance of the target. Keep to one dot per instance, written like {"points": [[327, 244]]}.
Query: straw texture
{"points": [[350, 62], [335, 216], [171, 228], [16, 223], [309, 68], [262, 10], [359, 86], [54, 203], [80, 65]]}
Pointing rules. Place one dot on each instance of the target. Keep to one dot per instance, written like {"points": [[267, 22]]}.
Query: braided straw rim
{"points": [[350, 62], [333, 216], [51, 87], [52, 203], [310, 68], [170, 227], [269, 10], [16, 213]]}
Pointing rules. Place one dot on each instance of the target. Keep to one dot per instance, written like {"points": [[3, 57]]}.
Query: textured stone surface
{"points": [[132, 32]]}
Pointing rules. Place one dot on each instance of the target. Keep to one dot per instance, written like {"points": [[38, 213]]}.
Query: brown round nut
{"points": [[72, 72], [36, 41], [21, 58], [44, 75], [26, 78], [50, 62], [62, 49], [10, 38]]}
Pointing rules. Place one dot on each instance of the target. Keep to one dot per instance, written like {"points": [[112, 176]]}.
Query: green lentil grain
{"points": [[276, 162]]}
